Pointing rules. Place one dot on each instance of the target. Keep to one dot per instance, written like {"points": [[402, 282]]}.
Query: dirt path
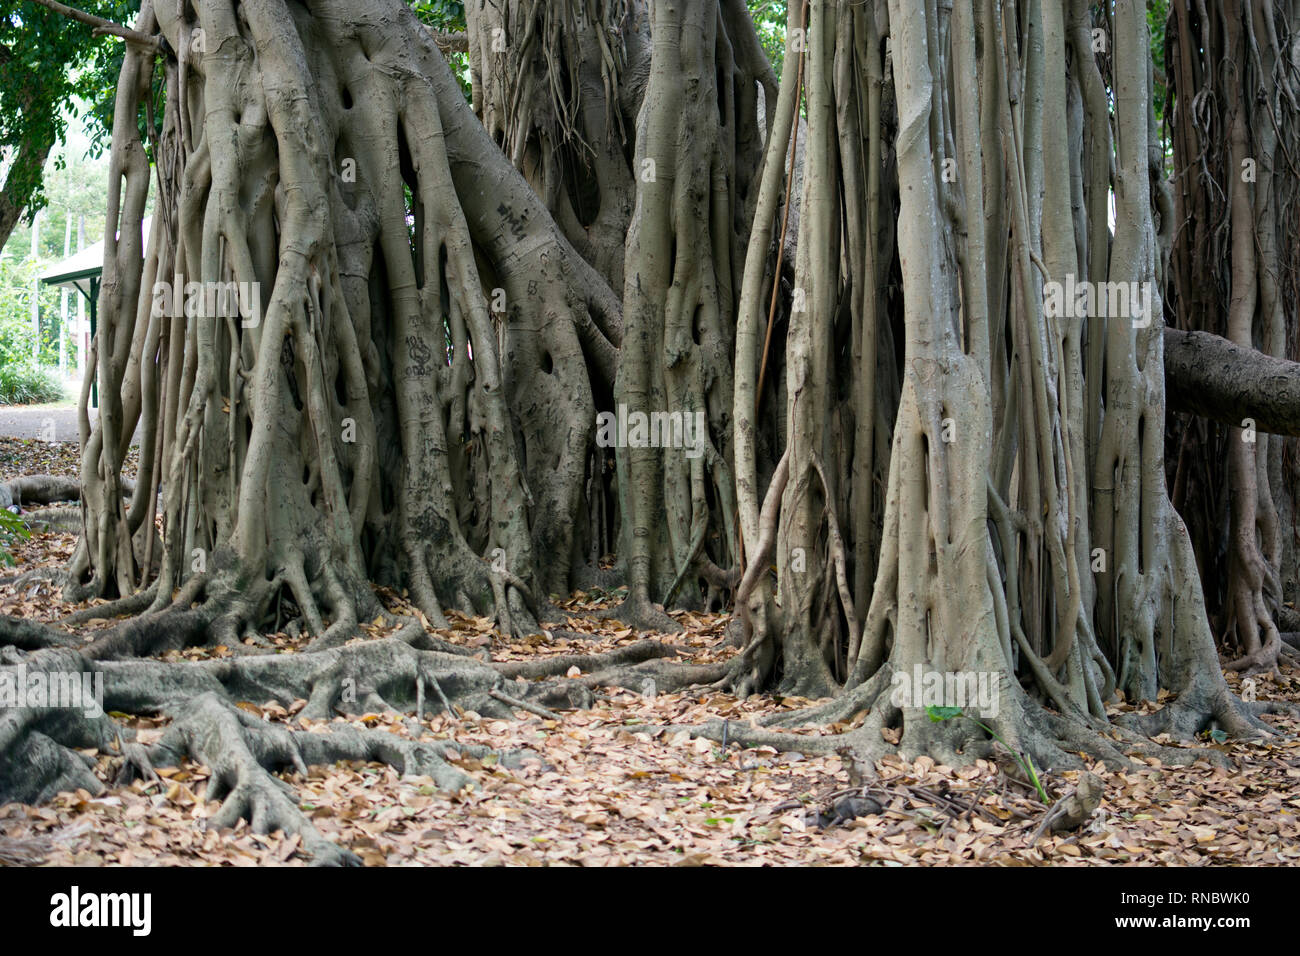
{"points": [[47, 422]]}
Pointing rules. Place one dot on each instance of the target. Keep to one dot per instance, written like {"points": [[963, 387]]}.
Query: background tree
{"points": [[44, 63], [1026, 529], [1234, 132]]}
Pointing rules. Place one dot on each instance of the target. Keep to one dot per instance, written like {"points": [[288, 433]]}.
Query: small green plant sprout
{"points": [[12, 528], [940, 714]]}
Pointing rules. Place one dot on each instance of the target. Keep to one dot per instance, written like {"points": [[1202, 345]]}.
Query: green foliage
{"points": [[76, 188], [441, 14], [12, 529], [41, 56], [97, 74], [940, 714], [17, 279], [22, 383], [769, 20], [45, 61], [447, 16]]}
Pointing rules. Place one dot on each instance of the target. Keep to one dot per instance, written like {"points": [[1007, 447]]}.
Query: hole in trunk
{"points": [[581, 186], [341, 386], [414, 207], [721, 85]]}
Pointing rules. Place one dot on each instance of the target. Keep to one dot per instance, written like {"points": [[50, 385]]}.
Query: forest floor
{"points": [[602, 796]]}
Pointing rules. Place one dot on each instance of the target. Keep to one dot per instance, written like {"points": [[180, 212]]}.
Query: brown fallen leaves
{"points": [[607, 797], [612, 798]]}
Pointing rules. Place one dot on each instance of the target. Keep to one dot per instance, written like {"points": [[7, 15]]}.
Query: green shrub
{"points": [[12, 530], [22, 383]]}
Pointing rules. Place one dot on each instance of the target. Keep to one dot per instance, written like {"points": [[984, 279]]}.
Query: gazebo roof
{"points": [[79, 270]]}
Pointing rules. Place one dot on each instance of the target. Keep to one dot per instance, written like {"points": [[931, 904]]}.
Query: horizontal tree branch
{"points": [[451, 42], [1209, 376], [102, 26]]}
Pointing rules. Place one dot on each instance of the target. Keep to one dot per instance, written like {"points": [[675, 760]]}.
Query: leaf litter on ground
{"points": [[599, 795]]}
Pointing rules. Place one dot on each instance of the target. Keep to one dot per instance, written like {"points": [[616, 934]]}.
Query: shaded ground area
{"points": [[596, 794]]}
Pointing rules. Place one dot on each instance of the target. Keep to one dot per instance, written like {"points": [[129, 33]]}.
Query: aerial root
{"points": [[1197, 710], [640, 612]]}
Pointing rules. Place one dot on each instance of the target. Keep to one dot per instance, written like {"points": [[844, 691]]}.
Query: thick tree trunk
{"points": [[1028, 533], [698, 151], [27, 165], [25, 169], [361, 426]]}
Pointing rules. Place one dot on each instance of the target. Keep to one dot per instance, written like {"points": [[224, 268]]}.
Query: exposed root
{"points": [[38, 745], [56, 576], [102, 612], [47, 490], [640, 612], [1263, 660], [243, 752], [1197, 710], [552, 666], [1052, 742], [65, 520], [32, 635]]}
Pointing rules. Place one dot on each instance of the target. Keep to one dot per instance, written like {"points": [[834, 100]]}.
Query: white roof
{"points": [[73, 271]]}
